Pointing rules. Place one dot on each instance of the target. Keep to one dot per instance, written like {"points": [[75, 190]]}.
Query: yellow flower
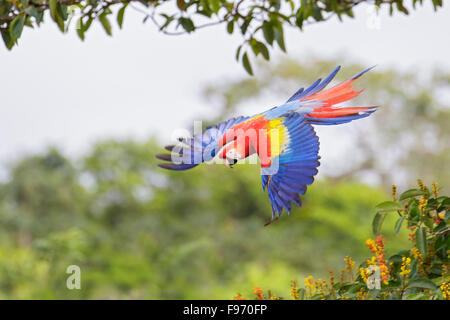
{"points": [[404, 271], [331, 273], [370, 243], [384, 273], [363, 273], [294, 290], [323, 286], [362, 295], [445, 288], [394, 192], [371, 262], [417, 255], [349, 264], [422, 204], [420, 183], [435, 189], [309, 282]]}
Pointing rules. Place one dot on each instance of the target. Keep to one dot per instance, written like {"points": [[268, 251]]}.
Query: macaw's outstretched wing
{"points": [[294, 166], [189, 153]]}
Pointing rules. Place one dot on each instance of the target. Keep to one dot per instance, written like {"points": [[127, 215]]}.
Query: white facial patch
{"points": [[233, 154]]}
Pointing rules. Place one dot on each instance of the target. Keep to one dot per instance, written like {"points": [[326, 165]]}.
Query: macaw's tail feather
{"points": [[337, 94], [327, 113], [333, 115]]}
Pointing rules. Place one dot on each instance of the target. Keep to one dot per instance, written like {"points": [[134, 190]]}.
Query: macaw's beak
{"points": [[230, 162]]}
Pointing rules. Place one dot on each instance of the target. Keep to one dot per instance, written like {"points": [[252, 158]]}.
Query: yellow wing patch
{"points": [[278, 136]]}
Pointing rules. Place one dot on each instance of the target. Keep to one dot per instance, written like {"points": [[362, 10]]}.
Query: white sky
{"points": [[57, 90]]}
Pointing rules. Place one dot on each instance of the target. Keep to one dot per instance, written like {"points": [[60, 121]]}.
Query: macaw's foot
{"points": [[270, 222]]}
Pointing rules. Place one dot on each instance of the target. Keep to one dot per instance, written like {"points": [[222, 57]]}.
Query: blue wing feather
{"points": [[201, 148], [297, 166]]}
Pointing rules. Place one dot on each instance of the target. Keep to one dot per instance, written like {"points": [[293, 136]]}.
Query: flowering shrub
{"points": [[419, 272]]}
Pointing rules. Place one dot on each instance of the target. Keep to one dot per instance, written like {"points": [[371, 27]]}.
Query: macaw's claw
{"points": [[270, 222]]}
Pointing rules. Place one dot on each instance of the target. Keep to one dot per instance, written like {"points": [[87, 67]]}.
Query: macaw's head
{"points": [[237, 145], [231, 154]]}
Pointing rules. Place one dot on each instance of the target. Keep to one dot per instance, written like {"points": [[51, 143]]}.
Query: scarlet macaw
{"points": [[288, 146]]}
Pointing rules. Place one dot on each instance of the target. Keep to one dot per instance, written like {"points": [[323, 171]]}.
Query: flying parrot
{"points": [[283, 138]]}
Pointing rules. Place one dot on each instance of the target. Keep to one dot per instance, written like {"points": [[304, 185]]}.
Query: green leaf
{"points": [[279, 36], [53, 10], [417, 296], [245, 25], [105, 23], [215, 5], [421, 240], [411, 193], [414, 213], [120, 15], [247, 64], [16, 27], [350, 13], [259, 47], [445, 203], [80, 29], [181, 5], [422, 283], [398, 224], [401, 8], [230, 27], [9, 42], [62, 11], [87, 24], [268, 32], [187, 24], [377, 222], [299, 20], [316, 13], [396, 258], [429, 222], [388, 206], [253, 45], [60, 23], [238, 52], [301, 293], [33, 12], [262, 49]]}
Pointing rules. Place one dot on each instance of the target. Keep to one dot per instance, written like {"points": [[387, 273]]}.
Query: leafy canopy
{"points": [[260, 23]]}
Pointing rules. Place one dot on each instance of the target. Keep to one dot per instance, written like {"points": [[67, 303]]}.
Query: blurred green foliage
{"points": [[140, 232]]}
